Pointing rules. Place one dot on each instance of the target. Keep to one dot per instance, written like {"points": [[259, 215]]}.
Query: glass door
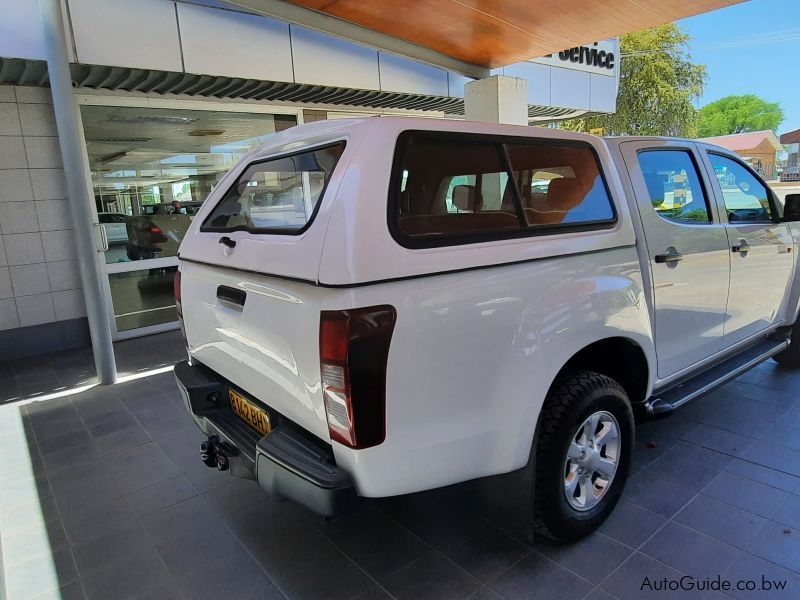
{"points": [[152, 168]]}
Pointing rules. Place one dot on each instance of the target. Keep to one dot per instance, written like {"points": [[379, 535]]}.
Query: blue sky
{"points": [[751, 48]]}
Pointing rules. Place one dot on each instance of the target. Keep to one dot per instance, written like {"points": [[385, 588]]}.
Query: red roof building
{"points": [[758, 148]]}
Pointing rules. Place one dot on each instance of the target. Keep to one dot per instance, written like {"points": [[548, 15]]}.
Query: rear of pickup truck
{"points": [[253, 382]]}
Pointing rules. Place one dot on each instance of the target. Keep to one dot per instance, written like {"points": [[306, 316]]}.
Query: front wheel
{"points": [[583, 454]]}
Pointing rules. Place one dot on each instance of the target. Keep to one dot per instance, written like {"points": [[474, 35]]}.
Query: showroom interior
{"points": [[134, 115]]}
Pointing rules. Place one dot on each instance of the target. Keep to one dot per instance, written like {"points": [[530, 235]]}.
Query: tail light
{"points": [[157, 236], [353, 349]]}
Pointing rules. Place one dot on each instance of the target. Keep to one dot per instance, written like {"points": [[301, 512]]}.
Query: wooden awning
{"points": [[480, 34]]}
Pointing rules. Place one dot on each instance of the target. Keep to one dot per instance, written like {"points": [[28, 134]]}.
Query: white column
{"points": [[497, 99]]}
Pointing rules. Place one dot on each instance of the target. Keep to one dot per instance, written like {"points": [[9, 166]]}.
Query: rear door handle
{"points": [[671, 256], [231, 295], [742, 247]]}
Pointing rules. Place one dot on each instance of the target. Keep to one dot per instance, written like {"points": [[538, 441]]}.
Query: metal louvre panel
{"points": [[16, 71]]}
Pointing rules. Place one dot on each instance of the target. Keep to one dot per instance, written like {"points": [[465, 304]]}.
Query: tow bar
{"points": [[215, 453]]}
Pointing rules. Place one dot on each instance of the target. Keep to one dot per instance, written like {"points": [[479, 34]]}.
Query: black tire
{"points": [[573, 397], [790, 358]]}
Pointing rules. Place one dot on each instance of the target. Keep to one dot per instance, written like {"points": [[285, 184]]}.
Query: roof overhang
{"points": [[473, 37]]}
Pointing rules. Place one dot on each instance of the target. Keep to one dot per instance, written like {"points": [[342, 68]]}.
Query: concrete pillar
{"points": [[497, 99], [78, 188]]}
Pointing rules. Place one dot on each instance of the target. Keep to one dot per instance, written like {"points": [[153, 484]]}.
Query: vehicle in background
{"points": [[115, 225]]}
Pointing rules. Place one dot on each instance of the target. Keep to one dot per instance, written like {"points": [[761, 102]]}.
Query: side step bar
{"points": [[665, 401]]}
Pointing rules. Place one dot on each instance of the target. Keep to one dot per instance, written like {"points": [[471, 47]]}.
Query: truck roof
{"points": [[320, 132]]}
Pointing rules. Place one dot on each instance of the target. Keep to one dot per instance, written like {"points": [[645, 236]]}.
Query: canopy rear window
{"points": [[278, 195]]}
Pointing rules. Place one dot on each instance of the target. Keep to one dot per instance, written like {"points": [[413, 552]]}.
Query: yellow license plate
{"points": [[251, 414]]}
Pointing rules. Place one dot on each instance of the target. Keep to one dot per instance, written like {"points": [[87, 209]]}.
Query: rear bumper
{"points": [[289, 462]]}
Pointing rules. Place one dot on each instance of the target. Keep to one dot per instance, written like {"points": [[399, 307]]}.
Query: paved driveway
{"points": [[103, 495]]}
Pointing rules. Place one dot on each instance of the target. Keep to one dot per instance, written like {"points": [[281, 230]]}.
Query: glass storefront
{"points": [[151, 169]]}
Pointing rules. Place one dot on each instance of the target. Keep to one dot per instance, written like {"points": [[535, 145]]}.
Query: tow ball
{"points": [[216, 453]]}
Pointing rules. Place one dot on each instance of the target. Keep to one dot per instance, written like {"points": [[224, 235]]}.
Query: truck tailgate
{"points": [[268, 345]]}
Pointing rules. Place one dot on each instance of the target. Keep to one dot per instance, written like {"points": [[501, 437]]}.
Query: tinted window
{"points": [[559, 185], [454, 189], [746, 197], [448, 187], [279, 195], [674, 186]]}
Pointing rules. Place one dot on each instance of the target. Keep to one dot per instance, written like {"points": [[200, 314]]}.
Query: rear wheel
{"points": [[583, 454], [790, 357]]}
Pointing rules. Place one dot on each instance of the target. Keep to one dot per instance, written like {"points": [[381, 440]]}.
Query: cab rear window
{"points": [[279, 195], [455, 189]]}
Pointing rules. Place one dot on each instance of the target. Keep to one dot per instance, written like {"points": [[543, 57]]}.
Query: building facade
{"points": [[170, 94]]}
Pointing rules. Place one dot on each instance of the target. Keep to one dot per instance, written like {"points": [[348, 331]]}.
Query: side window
{"points": [[674, 186], [559, 185], [746, 197], [278, 195], [454, 188]]}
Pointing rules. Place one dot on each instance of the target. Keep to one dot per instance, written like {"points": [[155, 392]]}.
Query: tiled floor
{"points": [[103, 495]]}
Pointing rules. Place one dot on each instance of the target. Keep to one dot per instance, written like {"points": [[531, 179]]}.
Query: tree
{"points": [[738, 114], [658, 83]]}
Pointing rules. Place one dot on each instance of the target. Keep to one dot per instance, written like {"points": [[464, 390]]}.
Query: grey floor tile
{"points": [[774, 456], [762, 474], [431, 576], [592, 558], [231, 576], [722, 521], [788, 512], [717, 439], [378, 593], [784, 433], [108, 550], [690, 473], [238, 494], [658, 495], [641, 577], [778, 543], [538, 578], [463, 536], [127, 579], [376, 543], [283, 550], [160, 495], [745, 493], [768, 579], [631, 524], [690, 551]]}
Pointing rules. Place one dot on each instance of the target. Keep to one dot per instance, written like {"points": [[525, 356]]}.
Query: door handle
{"points": [[103, 237], [671, 256], [742, 247], [227, 241], [231, 295]]}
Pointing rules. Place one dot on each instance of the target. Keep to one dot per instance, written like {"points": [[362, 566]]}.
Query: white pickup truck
{"points": [[382, 306]]}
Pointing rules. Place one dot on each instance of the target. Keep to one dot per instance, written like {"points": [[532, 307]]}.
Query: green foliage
{"points": [[658, 83], [738, 114]]}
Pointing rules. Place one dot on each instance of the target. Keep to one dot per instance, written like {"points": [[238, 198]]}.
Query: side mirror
{"points": [[791, 208]]}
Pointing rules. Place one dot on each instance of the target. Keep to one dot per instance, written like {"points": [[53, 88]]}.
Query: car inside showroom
{"points": [[433, 299]]}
